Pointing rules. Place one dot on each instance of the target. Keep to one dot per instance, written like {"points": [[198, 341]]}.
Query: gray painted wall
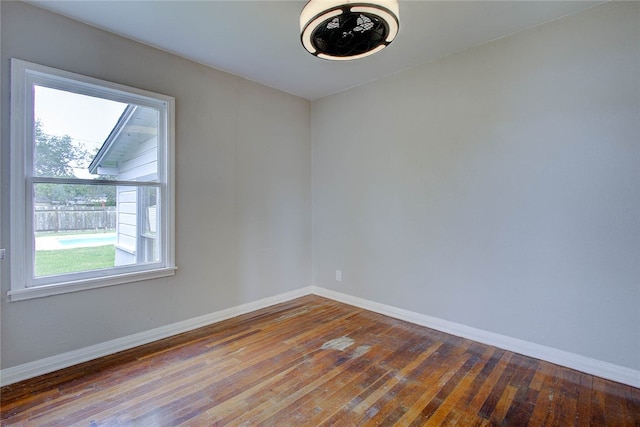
{"points": [[243, 191], [498, 188]]}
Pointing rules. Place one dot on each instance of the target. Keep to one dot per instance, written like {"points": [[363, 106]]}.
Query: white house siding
{"points": [[140, 163], [126, 225]]}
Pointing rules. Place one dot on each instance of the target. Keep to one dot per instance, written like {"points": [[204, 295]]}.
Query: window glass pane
{"points": [[137, 225], [74, 228], [74, 194], [150, 224], [80, 136], [130, 152], [91, 227], [92, 185], [69, 130]]}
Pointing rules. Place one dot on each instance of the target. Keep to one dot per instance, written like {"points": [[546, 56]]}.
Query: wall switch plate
{"points": [[1, 253], [338, 275]]}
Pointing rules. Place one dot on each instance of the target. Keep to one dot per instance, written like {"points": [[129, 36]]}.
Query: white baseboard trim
{"points": [[50, 364], [585, 364], [588, 365]]}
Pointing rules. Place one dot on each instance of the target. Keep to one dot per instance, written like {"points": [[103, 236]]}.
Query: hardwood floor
{"points": [[313, 361]]}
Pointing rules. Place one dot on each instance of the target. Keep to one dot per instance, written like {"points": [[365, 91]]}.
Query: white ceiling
{"points": [[259, 40]]}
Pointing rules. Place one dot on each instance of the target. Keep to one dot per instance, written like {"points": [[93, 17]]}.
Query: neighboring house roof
{"points": [[135, 125]]}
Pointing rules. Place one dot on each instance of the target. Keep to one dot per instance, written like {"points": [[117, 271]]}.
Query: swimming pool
{"points": [[71, 241], [88, 240]]}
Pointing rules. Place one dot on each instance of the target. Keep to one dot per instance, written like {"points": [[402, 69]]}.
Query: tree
{"points": [[56, 157]]}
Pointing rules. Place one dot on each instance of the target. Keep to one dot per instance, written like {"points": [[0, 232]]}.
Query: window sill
{"points": [[82, 285]]}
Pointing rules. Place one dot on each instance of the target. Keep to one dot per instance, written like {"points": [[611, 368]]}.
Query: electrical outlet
{"points": [[338, 275], [1, 253]]}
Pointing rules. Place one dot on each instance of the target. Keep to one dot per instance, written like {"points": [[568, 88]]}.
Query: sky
{"points": [[87, 120]]}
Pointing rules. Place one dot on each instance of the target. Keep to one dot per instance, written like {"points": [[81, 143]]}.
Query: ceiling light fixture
{"points": [[345, 29]]}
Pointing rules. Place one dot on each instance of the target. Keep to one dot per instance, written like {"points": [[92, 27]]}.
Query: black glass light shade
{"points": [[343, 30]]}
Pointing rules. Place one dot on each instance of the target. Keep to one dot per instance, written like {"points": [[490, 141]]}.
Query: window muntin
{"points": [[97, 156]]}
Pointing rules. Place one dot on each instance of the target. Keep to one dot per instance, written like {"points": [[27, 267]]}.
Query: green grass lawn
{"points": [[73, 260]]}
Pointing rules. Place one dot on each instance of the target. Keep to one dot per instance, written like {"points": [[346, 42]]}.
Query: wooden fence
{"points": [[74, 218]]}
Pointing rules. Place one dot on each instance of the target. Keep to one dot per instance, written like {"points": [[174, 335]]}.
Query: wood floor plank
{"points": [[493, 371], [367, 407], [394, 403], [543, 413], [314, 361], [598, 398], [583, 403], [437, 399], [524, 400], [447, 412]]}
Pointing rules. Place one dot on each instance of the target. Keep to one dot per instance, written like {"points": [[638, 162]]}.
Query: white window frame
{"points": [[22, 245]]}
